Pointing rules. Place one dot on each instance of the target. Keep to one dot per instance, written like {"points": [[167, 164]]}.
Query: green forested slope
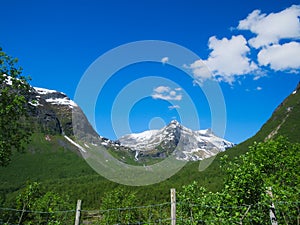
{"points": [[58, 166]]}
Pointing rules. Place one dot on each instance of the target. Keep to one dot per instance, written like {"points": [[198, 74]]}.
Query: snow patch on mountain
{"points": [[75, 144], [8, 79], [144, 141], [44, 91], [62, 101], [189, 145], [55, 97], [35, 103]]}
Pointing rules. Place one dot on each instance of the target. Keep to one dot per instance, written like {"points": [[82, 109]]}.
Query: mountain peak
{"points": [[175, 139], [174, 122]]}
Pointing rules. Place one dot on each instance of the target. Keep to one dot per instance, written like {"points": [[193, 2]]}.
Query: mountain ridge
{"points": [[55, 110], [189, 145]]}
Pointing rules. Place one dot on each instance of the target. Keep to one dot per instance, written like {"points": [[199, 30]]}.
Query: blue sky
{"points": [[251, 48]]}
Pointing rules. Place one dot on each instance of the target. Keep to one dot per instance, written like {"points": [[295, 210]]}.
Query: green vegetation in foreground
{"points": [[14, 90], [271, 165], [244, 199]]}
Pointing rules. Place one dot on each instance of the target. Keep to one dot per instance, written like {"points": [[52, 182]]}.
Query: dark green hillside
{"points": [[284, 121], [49, 159], [57, 164]]}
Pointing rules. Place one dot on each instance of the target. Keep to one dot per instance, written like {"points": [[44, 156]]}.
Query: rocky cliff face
{"points": [[52, 113]]}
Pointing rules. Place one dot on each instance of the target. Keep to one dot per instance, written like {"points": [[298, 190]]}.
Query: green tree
{"points": [[117, 208], [244, 198], [199, 206], [40, 207], [13, 108], [271, 164]]}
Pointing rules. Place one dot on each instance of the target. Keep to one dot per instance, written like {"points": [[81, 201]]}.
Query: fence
{"points": [[194, 214], [172, 212]]}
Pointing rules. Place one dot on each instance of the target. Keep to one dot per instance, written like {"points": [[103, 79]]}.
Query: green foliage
{"points": [[198, 206], [120, 206], [37, 206], [273, 163], [13, 108], [114, 204], [245, 197]]}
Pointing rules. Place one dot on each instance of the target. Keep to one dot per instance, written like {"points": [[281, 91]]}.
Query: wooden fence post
{"points": [[78, 208], [272, 208], [173, 206]]}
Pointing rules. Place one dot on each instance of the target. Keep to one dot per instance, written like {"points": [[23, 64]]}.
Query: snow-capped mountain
{"points": [[176, 139], [54, 113]]}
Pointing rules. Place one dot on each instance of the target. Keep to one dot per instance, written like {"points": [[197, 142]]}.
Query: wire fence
{"points": [[10, 216], [150, 214], [286, 213]]}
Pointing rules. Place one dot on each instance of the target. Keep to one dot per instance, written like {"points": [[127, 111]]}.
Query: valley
{"points": [[58, 165]]}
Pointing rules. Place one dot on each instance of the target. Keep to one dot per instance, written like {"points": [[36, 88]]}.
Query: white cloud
{"points": [[164, 60], [256, 77], [281, 57], [173, 93], [259, 88], [276, 36], [227, 59], [161, 89], [271, 28], [199, 70], [167, 97], [173, 107], [167, 93]]}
